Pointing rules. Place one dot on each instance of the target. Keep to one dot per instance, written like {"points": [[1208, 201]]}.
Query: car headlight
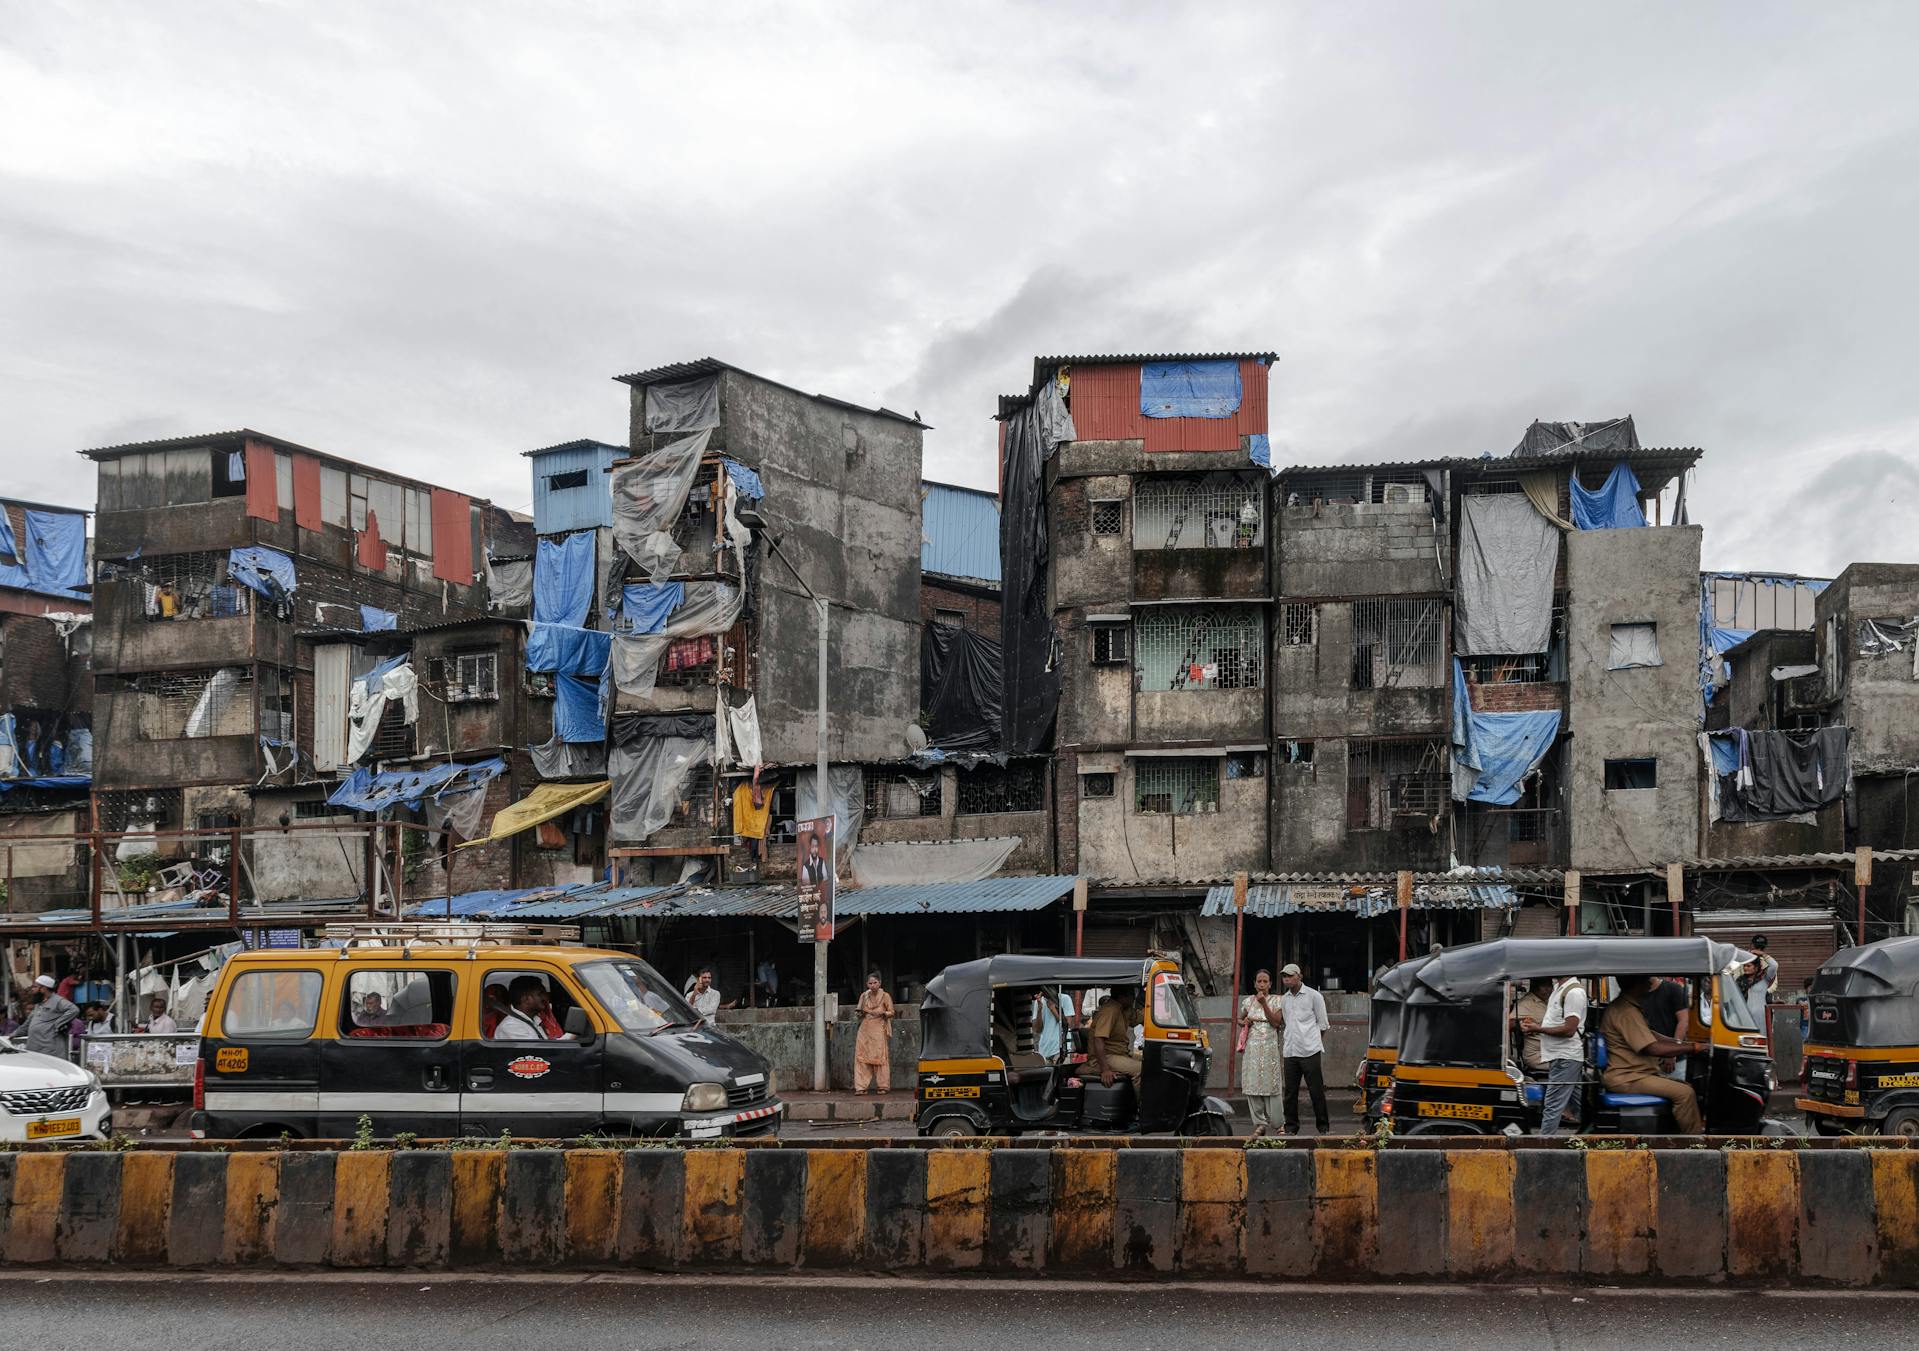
{"points": [[705, 1098]]}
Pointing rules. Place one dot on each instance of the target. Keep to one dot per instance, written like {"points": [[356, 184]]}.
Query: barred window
{"points": [[895, 795], [1400, 487], [1397, 645], [126, 808], [1188, 647], [1111, 644], [1096, 785], [1391, 783], [1109, 517], [1179, 786], [1298, 624], [1016, 787], [694, 805], [167, 707], [1199, 511], [1332, 489], [184, 586]]}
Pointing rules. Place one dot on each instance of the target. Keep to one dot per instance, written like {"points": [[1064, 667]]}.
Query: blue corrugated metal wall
{"points": [[573, 508], [960, 533]]}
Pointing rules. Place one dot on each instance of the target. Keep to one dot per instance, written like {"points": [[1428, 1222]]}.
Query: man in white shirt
{"points": [[1563, 1048], [159, 1022], [1300, 1047], [704, 998], [521, 1021]]}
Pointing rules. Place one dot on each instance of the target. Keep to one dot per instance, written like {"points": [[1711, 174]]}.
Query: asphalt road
{"points": [[86, 1311]]}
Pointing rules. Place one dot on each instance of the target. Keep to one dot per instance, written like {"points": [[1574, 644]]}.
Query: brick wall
{"points": [[1518, 697], [982, 613], [1066, 809], [33, 664], [1071, 508]]}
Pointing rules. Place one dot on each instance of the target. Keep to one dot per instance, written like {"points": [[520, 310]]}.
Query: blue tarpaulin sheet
{"points": [[267, 571], [576, 710], [48, 781], [1725, 752], [365, 791], [1260, 448], [555, 647], [1614, 505], [745, 480], [51, 557], [8, 549], [1501, 748], [1208, 389], [372, 678], [375, 620], [1725, 640], [563, 579], [646, 605]]}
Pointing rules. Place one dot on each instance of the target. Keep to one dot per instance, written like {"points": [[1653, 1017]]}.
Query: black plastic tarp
{"points": [[1030, 679], [960, 688], [1790, 773], [1545, 438]]}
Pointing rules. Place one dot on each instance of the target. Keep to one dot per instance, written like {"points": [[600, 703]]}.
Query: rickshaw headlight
{"points": [[705, 1098]]}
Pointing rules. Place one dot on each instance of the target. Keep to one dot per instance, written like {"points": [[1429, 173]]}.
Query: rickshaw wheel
{"points": [[1903, 1122], [949, 1127]]}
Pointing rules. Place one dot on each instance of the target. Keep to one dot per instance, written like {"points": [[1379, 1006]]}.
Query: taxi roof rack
{"points": [[408, 935]]}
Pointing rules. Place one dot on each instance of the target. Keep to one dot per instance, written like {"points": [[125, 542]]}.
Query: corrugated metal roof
{"points": [[687, 370], [1505, 464], [781, 901], [581, 444], [959, 532], [1043, 367], [1271, 902]]}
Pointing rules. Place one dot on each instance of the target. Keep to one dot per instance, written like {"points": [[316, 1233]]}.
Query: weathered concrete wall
{"points": [[512, 720], [125, 640], [1309, 828], [303, 865], [1230, 574], [1633, 576], [1117, 843], [1313, 694], [1034, 854], [36, 669], [1750, 700], [1365, 549], [1218, 717], [1090, 570], [1881, 703], [122, 760]]}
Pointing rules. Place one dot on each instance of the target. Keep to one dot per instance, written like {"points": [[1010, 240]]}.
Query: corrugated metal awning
{"points": [[1271, 902], [781, 901]]}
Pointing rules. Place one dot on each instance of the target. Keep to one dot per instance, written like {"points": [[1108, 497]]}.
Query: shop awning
{"points": [[1271, 902], [542, 804]]}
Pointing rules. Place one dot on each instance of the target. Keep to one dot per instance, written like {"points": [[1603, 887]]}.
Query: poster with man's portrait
{"points": [[818, 880]]}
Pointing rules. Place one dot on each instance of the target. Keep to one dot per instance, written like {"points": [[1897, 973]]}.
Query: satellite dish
{"points": [[915, 738]]}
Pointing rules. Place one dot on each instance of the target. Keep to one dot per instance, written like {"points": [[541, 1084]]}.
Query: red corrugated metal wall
{"points": [[1203, 433], [1105, 405]]}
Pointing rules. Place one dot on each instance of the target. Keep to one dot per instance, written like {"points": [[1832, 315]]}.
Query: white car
{"points": [[45, 1098]]}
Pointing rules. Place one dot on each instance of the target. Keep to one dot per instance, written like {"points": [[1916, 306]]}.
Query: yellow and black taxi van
{"points": [[1862, 1048], [443, 1034]]}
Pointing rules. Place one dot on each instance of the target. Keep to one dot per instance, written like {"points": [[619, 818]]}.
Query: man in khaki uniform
{"points": [[1109, 1044], [1634, 1050]]}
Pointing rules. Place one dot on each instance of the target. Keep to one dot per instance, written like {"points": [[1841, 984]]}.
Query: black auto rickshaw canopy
{"points": [[1461, 973], [1389, 992], [1865, 996], [1873, 970], [956, 1012]]}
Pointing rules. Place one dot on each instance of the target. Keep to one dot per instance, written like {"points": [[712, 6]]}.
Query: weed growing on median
{"points": [[362, 1133]]}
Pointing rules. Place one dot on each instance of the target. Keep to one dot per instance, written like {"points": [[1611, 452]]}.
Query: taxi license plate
{"points": [[1466, 1111], [48, 1130]]}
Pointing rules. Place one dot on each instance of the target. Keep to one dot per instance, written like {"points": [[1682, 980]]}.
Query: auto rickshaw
{"points": [[1382, 1039], [972, 1082], [1862, 1052], [1457, 1073]]}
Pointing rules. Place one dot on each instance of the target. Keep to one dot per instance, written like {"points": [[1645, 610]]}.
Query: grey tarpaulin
{"points": [[1544, 438], [1790, 773], [960, 688], [848, 786], [1880, 636], [609, 572], [1055, 422], [707, 607], [1633, 645], [1507, 553], [742, 728], [648, 497], [1030, 682], [509, 584], [900, 863], [690, 406], [648, 760], [559, 759], [463, 810]]}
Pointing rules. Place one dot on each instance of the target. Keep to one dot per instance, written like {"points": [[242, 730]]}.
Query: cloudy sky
{"points": [[426, 235]]}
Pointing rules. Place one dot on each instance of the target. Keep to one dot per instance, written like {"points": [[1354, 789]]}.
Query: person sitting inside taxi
{"points": [[374, 1019], [1109, 1044], [493, 1006], [1634, 1050], [528, 1014]]}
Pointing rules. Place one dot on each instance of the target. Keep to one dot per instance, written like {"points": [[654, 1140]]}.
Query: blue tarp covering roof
{"points": [[258, 568], [959, 532], [573, 650], [375, 620], [744, 480], [366, 791], [1272, 902], [1725, 640], [52, 556], [49, 781], [471, 903], [1614, 505], [563, 579], [1206, 389], [647, 605]]}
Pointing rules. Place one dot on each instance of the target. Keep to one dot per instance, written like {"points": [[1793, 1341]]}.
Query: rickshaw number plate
{"points": [[1897, 1081], [230, 1060], [972, 1092], [1467, 1111], [46, 1130]]}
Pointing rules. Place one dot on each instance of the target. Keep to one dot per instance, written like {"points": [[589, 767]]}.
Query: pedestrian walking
{"points": [[1563, 1049], [1531, 1009], [1261, 1021], [1301, 1048], [872, 1049]]}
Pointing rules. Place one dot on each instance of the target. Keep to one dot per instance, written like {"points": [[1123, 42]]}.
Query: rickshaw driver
{"points": [[1110, 1045], [1634, 1051]]}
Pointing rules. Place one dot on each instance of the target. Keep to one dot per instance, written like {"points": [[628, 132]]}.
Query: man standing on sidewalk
{"points": [[1305, 1014], [1563, 1048]]}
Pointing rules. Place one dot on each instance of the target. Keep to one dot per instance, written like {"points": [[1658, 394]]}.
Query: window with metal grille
{"points": [[953, 619], [1199, 511], [1176, 786], [572, 478], [466, 676], [1294, 752], [167, 707], [124, 809], [1398, 487], [1298, 624], [1488, 487], [186, 586], [1016, 787], [1109, 517], [1246, 765], [694, 805], [1397, 644], [1391, 783], [1191, 647], [1111, 644], [690, 661], [1331, 489], [393, 738], [1096, 785], [317, 809], [893, 795], [276, 705]]}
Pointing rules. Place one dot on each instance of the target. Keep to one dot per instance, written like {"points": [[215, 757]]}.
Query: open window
{"points": [[497, 994], [397, 1004], [1629, 775]]}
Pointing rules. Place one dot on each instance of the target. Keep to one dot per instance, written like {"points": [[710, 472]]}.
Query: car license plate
{"points": [[1465, 1111], [47, 1130]]}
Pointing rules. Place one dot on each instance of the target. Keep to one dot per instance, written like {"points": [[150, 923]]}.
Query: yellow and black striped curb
{"points": [[1840, 1217]]}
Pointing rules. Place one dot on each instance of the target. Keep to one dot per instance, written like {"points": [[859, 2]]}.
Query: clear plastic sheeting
{"points": [[904, 864], [563, 580], [648, 497], [509, 585], [1877, 637], [557, 759], [690, 406], [1631, 645], [705, 607], [648, 761], [1507, 554], [847, 785]]}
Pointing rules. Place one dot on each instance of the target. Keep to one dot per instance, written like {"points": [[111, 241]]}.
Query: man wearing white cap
{"points": [[1300, 1048], [47, 1024]]}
